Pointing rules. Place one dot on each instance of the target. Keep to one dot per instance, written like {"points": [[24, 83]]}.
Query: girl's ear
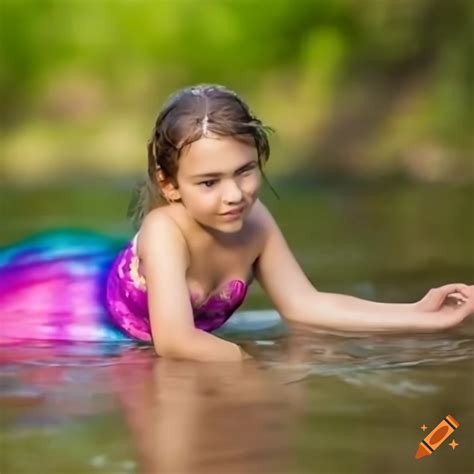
{"points": [[168, 190]]}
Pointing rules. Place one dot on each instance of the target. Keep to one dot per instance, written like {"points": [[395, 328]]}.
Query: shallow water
{"points": [[309, 403]]}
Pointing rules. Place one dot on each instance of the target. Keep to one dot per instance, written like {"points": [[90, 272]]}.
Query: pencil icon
{"points": [[437, 436]]}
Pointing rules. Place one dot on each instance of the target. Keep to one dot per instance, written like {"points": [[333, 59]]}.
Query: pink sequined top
{"points": [[127, 299]]}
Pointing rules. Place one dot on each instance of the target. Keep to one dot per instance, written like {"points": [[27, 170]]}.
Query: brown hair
{"points": [[180, 123]]}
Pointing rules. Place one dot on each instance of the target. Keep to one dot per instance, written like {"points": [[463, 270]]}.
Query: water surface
{"points": [[308, 403]]}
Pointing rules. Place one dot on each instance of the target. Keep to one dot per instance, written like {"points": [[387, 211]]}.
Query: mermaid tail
{"points": [[52, 287]]}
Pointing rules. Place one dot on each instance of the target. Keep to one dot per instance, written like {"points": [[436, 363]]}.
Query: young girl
{"points": [[204, 236]]}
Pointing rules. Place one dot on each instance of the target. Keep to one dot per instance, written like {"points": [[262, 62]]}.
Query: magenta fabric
{"points": [[78, 285], [127, 299]]}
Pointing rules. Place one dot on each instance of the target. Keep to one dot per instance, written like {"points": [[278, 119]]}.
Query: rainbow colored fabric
{"points": [[78, 285], [52, 287]]}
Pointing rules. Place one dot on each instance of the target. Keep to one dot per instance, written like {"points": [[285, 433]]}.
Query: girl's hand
{"points": [[449, 304]]}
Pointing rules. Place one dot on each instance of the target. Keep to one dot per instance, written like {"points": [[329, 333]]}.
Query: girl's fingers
{"points": [[458, 296], [440, 294], [454, 288], [466, 309], [469, 302], [463, 310]]}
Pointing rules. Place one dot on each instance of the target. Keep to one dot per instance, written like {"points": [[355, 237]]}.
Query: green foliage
{"points": [[317, 56]]}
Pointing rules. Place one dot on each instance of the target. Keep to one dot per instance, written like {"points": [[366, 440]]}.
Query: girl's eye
{"points": [[208, 183]]}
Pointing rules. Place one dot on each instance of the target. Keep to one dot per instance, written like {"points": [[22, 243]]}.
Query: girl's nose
{"points": [[232, 193]]}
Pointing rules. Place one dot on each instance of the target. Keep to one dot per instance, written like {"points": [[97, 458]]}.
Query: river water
{"points": [[309, 402]]}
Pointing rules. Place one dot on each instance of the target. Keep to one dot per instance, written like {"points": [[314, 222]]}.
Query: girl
{"points": [[204, 236]]}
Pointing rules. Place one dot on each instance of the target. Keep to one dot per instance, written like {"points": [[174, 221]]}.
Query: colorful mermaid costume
{"points": [[76, 285]]}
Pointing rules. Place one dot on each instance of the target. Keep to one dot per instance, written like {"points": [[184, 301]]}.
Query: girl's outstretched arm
{"points": [[297, 300], [335, 311]]}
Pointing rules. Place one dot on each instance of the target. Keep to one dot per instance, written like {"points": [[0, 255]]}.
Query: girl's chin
{"points": [[231, 227], [225, 227]]}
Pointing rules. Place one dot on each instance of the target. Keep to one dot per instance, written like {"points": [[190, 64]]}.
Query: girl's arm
{"points": [[297, 300], [342, 312], [165, 258]]}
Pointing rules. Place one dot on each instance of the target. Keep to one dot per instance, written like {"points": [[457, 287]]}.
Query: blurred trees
{"points": [[361, 87]]}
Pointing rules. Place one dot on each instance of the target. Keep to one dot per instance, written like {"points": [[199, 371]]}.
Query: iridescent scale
{"points": [[75, 285]]}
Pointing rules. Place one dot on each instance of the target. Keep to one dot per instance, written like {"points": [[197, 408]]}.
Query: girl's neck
{"points": [[224, 239], [202, 235]]}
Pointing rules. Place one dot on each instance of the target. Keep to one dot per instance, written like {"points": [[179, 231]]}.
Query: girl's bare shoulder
{"points": [[157, 225]]}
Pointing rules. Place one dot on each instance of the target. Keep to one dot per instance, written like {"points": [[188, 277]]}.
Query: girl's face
{"points": [[218, 181]]}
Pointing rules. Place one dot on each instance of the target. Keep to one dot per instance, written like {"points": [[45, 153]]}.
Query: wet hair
{"points": [[184, 119]]}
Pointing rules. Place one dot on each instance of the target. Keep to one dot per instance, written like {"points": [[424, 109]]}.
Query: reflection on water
{"points": [[174, 416], [309, 402]]}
